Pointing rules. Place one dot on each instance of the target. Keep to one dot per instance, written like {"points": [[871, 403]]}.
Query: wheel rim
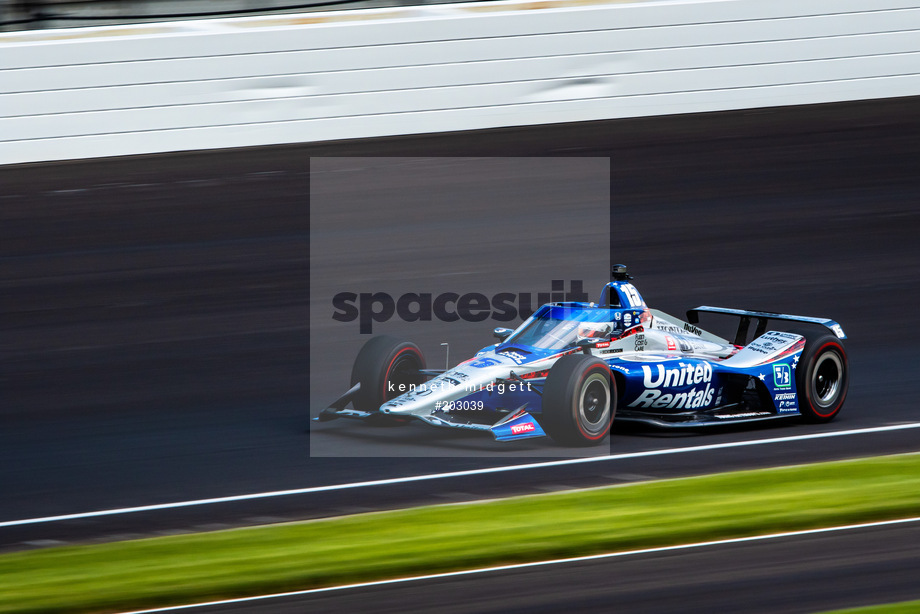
{"points": [[594, 404], [826, 379]]}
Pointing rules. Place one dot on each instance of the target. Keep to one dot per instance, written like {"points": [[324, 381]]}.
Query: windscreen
{"points": [[555, 327]]}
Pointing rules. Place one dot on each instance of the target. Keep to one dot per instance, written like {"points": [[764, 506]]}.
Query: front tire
{"points": [[822, 377], [382, 366], [579, 400]]}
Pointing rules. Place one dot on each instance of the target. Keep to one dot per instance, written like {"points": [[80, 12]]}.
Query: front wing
{"points": [[507, 426]]}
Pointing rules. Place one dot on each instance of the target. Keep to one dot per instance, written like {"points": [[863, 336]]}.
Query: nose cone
{"points": [[453, 385]]}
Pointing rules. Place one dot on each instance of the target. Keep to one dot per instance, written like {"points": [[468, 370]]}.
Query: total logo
{"points": [[678, 377], [517, 429]]}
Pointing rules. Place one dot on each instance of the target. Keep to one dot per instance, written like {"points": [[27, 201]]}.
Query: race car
{"points": [[572, 368]]}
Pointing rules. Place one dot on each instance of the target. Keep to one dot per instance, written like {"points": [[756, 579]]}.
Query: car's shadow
{"points": [[640, 430], [361, 439], [356, 438]]}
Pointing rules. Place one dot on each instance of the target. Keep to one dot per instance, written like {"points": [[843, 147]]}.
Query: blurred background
{"points": [[179, 202], [41, 14]]}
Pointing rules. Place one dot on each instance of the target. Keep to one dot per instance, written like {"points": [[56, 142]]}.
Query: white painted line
{"points": [[518, 566], [456, 474]]}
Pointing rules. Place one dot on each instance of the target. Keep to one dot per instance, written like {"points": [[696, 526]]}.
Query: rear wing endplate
{"points": [[762, 317]]}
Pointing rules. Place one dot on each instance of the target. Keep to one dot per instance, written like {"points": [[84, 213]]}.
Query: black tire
{"points": [[579, 401], [822, 377], [383, 361]]}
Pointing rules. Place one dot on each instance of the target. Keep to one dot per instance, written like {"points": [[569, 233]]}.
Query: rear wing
{"points": [[762, 317]]}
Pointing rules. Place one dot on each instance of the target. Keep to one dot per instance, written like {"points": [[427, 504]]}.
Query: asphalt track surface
{"points": [[154, 320], [818, 572]]}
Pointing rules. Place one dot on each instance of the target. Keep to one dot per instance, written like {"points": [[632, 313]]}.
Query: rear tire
{"points": [[579, 401], [381, 362], [822, 377]]}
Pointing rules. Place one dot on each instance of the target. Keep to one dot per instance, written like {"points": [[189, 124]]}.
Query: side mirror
{"points": [[502, 333]]}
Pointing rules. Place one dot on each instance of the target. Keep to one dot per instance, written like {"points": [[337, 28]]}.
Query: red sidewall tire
{"points": [[822, 377], [579, 401], [383, 361]]}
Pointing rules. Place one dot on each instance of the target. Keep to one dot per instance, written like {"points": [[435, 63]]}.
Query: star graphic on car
{"points": [[762, 377]]}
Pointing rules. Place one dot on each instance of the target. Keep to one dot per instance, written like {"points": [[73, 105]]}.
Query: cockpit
{"points": [[561, 325]]}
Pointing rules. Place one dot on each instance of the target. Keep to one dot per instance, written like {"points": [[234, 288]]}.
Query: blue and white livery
{"points": [[573, 368]]}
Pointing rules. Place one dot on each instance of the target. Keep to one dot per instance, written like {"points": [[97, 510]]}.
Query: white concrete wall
{"points": [[207, 84]]}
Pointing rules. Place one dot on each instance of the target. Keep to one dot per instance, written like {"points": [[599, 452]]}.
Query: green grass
{"points": [[295, 556]]}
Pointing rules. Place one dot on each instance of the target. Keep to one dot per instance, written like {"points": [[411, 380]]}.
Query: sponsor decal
{"points": [[605, 344], [527, 427], [778, 338], [702, 346], [640, 342], [484, 362], [617, 316], [672, 345], [627, 319], [770, 342], [785, 401], [620, 368], [693, 330], [782, 376], [456, 374], [515, 356], [681, 376], [612, 351], [666, 327]]}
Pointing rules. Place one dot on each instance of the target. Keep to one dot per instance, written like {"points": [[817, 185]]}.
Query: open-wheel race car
{"points": [[572, 368]]}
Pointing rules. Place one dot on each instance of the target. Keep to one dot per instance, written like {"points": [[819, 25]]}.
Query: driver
{"points": [[595, 331]]}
